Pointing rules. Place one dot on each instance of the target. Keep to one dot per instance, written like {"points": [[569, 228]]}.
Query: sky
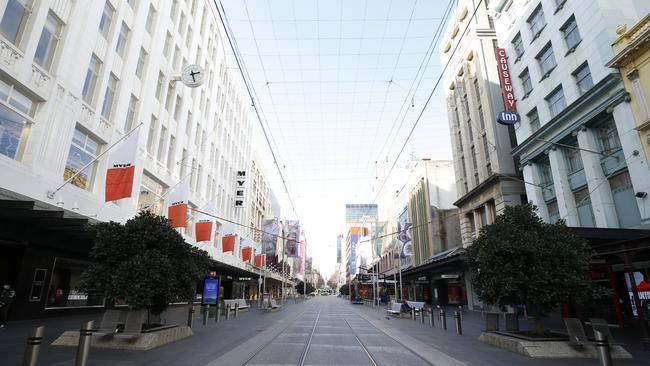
{"points": [[340, 84]]}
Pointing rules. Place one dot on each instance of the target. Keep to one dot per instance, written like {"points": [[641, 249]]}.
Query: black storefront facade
{"points": [[45, 250]]}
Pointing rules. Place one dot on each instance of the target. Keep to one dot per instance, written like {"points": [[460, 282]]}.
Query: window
{"points": [[161, 144], [109, 96], [65, 286], [518, 45], [160, 85], [47, 43], [142, 61], [526, 82], [553, 211], [546, 60], [170, 153], [83, 150], [150, 193], [583, 206], [15, 110], [169, 99], [174, 10], [151, 19], [91, 79], [574, 160], [583, 78], [131, 3], [14, 20], [188, 125], [177, 57], [477, 90], [188, 39], [183, 164], [122, 38], [571, 33], [481, 118], [152, 135], [177, 110], [625, 203], [545, 174], [130, 113], [608, 137], [168, 45], [536, 21], [486, 148], [556, 101], [106, 20], [474, 164], [471, 222]]}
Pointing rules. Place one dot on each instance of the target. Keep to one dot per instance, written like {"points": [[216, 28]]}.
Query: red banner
{"points": [[177, 215], [119, 183], [506, 80], [203, 230], [259, 260], [246, 254], [228, 243]]}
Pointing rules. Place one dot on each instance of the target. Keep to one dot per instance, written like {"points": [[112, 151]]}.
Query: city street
{"points": [[322, 331]]}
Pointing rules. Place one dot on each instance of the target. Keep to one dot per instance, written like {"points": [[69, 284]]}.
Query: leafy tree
{"points": [[301, 286], [522, 260], [144, 262], [345, 289]]}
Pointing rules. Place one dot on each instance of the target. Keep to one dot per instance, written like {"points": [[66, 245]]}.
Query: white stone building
{"points": [[481, 147], [577, 143]]}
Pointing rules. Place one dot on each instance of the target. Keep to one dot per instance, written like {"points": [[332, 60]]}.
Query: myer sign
{"points": [[510, 115], [240, 185]]}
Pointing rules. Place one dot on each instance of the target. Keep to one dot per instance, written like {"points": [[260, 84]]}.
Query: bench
{"points": [[577, 336], [110, 323], [241, 303], [395, 309], [418, 306], [273, 304], [133, 324]]}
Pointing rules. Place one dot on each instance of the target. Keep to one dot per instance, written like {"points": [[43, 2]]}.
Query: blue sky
{"points": [[335, 80]]}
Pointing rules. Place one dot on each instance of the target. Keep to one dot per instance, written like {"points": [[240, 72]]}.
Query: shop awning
{"points": [[614, 241], [449, 260]]}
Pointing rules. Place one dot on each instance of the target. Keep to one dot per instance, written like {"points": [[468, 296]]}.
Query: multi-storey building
{"points": [[259, 199], [74, 78], [578, 146], [483, 164]]}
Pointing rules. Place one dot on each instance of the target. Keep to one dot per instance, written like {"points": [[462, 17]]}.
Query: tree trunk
{"points": [[537, 321]]}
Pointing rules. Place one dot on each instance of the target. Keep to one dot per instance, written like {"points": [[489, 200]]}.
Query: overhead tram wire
{"points": [[240, 64], [424, 64], [424, 107]]}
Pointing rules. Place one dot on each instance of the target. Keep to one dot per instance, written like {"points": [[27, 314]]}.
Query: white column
{"points": [[634, 157], [566, 203], [600, 194], [534, 191]]}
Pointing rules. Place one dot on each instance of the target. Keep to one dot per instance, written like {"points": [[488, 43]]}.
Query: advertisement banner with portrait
{"points": [[292, 244], [270, 230]]}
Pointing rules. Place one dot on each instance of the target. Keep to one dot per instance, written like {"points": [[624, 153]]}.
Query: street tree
{"points": [[345, 289], [520, 259], [300, 287], [145, 263]]}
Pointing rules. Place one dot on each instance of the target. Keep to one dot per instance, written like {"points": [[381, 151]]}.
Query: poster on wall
{"points": [[643, 289], [210, 291]]}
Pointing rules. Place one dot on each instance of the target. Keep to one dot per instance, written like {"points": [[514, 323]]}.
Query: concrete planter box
{"points": [[145, 342], [546, 349]]}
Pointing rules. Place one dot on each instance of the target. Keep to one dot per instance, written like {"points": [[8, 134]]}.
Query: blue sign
{"points": [[210, 291], [508, 118]]}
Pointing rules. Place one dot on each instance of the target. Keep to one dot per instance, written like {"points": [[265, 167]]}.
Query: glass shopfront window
{"points": [[65, 291]]}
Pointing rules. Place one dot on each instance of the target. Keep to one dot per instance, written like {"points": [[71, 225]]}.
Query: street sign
{"points": [[508, 118], [193, 76]]}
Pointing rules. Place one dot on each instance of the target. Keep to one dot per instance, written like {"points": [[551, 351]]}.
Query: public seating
{"points": [[241, 302], [418, 306], [395, 309], [577, 336], [111, 321], [132, 325]]}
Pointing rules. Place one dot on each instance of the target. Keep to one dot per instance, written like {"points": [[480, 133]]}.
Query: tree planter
{"points": [[150, 339]]}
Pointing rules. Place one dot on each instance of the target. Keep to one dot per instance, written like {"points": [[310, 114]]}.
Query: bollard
{"points": [[443, 319], [413, 314], [236, 310], [604, 355], [217, 314], [33, 346], [422, 315], [206, 314], [85, 336], [431, 318], [460, 310], [190, 316], [228, 312], [459, 329]]}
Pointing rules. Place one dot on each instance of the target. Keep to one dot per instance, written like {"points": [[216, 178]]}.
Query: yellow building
{"points": [[632, 58]]}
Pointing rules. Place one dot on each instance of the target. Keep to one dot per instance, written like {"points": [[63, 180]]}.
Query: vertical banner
{"points": [[121, 169], [292, 244], [228, 243], [259, 260], [203, 226], [247, 250], [177, 204], [270, 229], [302, 259]]}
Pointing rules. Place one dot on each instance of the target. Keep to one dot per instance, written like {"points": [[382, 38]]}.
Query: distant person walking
{"points": [[6, 298]]}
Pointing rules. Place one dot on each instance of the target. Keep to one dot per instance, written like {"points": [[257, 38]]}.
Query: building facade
{"points": [[632, 58], [578, 145], [487, 179], [74, 78]]}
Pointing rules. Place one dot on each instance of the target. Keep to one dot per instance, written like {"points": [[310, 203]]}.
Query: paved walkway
{"points": [[321, 331]]}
